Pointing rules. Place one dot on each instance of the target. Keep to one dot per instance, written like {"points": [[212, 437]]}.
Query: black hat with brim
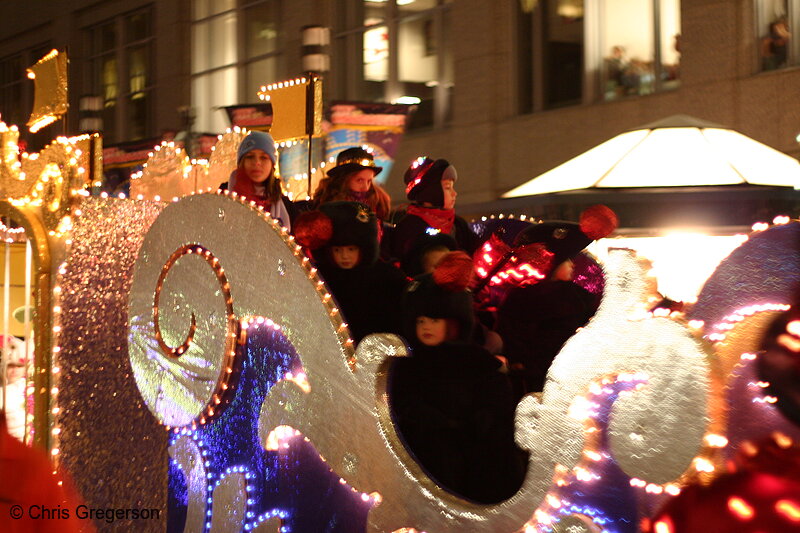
{"points": [[353, 160]]}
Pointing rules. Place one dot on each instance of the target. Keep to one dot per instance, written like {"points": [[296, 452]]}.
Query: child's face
{"points": [[257, 165], [432, 257], [431, 331], [14, 372], [449, 190], [346, 257], [360, 181]]}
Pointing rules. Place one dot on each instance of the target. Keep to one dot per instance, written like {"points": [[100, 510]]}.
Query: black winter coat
{"points": [[404, 235], [536, 320], [455, 413], [368, 296]]}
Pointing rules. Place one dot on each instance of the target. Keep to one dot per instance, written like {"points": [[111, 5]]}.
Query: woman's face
{"points": [[257, 165], [360, 181], [431, 331], [346, 257], [449, 191]]}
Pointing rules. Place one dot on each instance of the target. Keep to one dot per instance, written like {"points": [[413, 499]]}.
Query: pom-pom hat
{"points": [[339, 224], [353, 160], [423, 180], [442, 294], [257, 140], [566, 239]]}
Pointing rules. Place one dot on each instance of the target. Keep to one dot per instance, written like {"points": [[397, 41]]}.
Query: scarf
{"points": [[241, 184], [359, 196], [441, 219]]}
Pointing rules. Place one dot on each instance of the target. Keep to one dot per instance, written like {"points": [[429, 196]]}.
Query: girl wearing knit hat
{"points": [[351, 180], [538, 317], [452, 405], [254, 177], [430, 186]]}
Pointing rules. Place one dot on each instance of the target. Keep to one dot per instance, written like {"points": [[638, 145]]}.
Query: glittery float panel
{"points": [[281, 477], [110, 443], [625, 406], [764, 269], [624, 409], [293, 426]]}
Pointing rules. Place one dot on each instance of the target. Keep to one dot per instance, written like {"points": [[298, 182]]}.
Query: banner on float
{"points": [[377, 126]]}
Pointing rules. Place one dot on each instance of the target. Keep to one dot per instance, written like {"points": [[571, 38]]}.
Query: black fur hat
{"points": [[441, 294], [567, 239], [339, 224]]}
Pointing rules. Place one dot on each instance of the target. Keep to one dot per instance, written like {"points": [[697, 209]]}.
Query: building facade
{"points": [[505, 90]]}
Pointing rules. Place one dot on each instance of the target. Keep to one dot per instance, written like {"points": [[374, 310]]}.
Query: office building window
{"points": [[573, 52], [396, 51], [235, 50], [774, 21], [120, 67]]}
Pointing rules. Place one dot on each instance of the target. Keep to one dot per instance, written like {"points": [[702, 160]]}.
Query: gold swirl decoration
{"points": [[166, 174], [51, 179], [169, 173], [223, 158], [230, 339]]}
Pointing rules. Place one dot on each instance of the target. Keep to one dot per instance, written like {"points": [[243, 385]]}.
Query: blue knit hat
{"points": [[257, 140]]}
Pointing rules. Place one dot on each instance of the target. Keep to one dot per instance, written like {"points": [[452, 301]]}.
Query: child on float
{"points": [[254, 177], [342, 240], [426, 252], [536, 318], [352, 180], [453, 408], [430, 186], [12, 395]]}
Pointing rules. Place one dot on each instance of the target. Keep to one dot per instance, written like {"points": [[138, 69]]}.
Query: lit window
{"points": [[119, 71], [228, 70], [774, 20], [637, 51], [420, 70]]}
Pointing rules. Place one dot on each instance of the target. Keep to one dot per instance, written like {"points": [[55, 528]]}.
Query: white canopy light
{"points": [[679, 151]]}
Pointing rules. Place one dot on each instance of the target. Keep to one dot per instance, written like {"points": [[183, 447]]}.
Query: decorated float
{"points": [[189, 358]]}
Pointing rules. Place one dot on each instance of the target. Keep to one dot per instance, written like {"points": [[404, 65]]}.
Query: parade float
{"points": [[189, 358]]}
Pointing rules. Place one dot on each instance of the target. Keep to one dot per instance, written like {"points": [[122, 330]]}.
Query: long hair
{"points": [[335, 190], [272, 185]]}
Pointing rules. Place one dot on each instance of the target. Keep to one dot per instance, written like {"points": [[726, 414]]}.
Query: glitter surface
{"points": [[750, 416], [764, 269], [249, 249], [306, 419], [109, 441]]}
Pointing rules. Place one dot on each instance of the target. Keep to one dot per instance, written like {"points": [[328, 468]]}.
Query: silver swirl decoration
{"points": [[205, 263], [188, 315]]}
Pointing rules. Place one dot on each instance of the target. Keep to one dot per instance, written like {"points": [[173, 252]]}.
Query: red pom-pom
{"points": [[313, 229], [598, 221], [453, 272]]}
